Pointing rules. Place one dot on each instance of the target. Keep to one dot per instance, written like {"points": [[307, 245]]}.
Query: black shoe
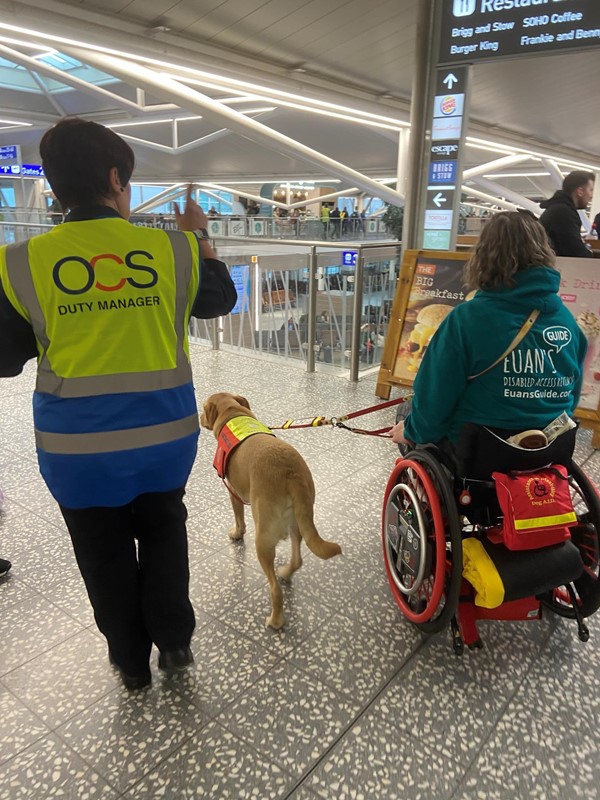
{"points": [[4, 567], [175, 660], [131, 682]]}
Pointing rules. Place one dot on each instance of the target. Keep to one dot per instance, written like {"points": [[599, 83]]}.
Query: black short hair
{"points": [[575, 179], [77, 156]]}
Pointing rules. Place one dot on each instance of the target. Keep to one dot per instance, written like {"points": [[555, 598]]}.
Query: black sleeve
{"points": [[564, 231], [216, 294], [17, 342], [572, 242]]}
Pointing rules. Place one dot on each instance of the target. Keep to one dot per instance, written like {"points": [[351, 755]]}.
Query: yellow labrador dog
{"points": [[273, 478]]}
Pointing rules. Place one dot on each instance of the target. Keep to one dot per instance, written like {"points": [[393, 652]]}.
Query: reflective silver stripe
{"points": [[183, 274], [94, 385], [21, 280], [115, 441], [19, 272]]}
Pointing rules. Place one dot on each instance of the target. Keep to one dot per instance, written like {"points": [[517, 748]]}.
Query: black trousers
{"points": [[139, 595]]}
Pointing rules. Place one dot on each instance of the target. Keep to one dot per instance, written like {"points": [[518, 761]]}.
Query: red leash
{"points": [[339, 422]]}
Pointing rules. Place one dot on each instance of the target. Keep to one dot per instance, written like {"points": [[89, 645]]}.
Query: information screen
{"points": [[482, 29]]}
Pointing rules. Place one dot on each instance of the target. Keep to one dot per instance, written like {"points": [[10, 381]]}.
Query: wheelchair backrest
{"points": [[481, 451]]}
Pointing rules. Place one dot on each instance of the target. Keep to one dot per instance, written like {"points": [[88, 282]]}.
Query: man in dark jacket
{"points": [[561, 219]]}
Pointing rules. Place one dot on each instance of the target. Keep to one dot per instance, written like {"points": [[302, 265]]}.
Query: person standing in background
{"points": [[104, 305], [335, 222], [325, 219], [561, 219]]}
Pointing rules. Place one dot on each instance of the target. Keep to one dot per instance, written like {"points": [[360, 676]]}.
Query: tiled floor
{"points": [[348, 702]]}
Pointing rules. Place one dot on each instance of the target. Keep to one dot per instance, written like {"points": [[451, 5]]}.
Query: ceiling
{"points": [[356, 55]]}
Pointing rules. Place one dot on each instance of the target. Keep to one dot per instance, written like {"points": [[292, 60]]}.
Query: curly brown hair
{"points": [[509, 242]]}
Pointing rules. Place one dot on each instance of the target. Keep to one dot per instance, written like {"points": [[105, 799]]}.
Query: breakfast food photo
{"points": [[420, 324]]}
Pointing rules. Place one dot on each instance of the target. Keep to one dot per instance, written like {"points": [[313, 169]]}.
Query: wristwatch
{"points": [[202, 233]]}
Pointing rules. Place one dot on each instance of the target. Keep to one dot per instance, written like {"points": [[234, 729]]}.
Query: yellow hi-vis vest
{"points": [[109, 304]]}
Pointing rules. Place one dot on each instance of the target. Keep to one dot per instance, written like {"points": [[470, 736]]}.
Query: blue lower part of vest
{"points": [[115, 479], [112, 412]]}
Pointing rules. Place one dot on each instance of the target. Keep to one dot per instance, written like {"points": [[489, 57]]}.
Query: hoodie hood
{"points": [[558, 198], [536, 287]]}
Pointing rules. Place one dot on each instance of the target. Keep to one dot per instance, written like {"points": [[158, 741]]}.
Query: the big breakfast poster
{"points": [[436, 289]]}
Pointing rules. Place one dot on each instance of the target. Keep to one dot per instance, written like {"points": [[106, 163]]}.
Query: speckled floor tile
{"points": [[302, 793], [226, 664], [290, 715], [49, 769], [15, 471], [12, 590], [335, 582], [49, 561], [302, 615], [124, 735], [219, 582], [70, 595], [35, 498], [375, 761], [66, 680], [19, 726], [560, 672], [210, 525], [353, 659], [214, 764], [530, 758], [31, 628], [509, 650]]}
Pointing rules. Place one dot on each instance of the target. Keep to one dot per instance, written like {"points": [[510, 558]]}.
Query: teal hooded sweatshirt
{"points": [[529, 388]]}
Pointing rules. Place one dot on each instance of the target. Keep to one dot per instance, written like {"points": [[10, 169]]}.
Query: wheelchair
{"points": [[438, 496]]}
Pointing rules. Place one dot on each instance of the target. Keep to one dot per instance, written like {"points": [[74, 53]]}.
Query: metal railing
{"points": [[299, 301], [307, 228]]}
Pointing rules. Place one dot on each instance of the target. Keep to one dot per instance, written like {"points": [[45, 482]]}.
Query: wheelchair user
{"points": [[476, 369]]}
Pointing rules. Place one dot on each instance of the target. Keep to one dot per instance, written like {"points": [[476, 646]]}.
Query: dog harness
{"points": [[232, 433]]}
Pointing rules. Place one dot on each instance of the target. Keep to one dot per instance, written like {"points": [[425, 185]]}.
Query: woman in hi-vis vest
{"points": [[105, 305]]}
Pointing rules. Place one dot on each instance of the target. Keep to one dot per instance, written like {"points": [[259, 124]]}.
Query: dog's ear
{"points": [[209, 415], [242, 401]]}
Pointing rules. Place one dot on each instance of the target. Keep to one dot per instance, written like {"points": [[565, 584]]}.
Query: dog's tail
{"points": [[303, 511]]}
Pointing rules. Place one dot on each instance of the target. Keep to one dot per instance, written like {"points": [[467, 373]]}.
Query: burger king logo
{"points": [[448, 105]]}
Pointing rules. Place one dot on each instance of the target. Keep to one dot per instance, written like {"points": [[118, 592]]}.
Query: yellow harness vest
{"points": [[233, 433]]}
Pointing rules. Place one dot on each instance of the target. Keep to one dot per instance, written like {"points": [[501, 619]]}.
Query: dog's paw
{"points": [[234, 533], [275, 622], [286, 572]]}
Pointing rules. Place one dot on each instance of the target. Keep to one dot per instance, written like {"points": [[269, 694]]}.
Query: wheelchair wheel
{"points": [[422, 544], [586, 537]]}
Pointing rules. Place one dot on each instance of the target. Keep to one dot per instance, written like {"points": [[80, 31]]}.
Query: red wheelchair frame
{"points": [[422, 534]]}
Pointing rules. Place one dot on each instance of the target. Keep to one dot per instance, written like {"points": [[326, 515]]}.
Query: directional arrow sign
{"points": [[440, 199], [450, 80]]}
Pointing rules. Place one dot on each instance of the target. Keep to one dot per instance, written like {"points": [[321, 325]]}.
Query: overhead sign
{"points": [[32, 170], [9, 152], [24, 170], [442, 172], [440, 199], [447, 131], [472, 30], [349, 258]]}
